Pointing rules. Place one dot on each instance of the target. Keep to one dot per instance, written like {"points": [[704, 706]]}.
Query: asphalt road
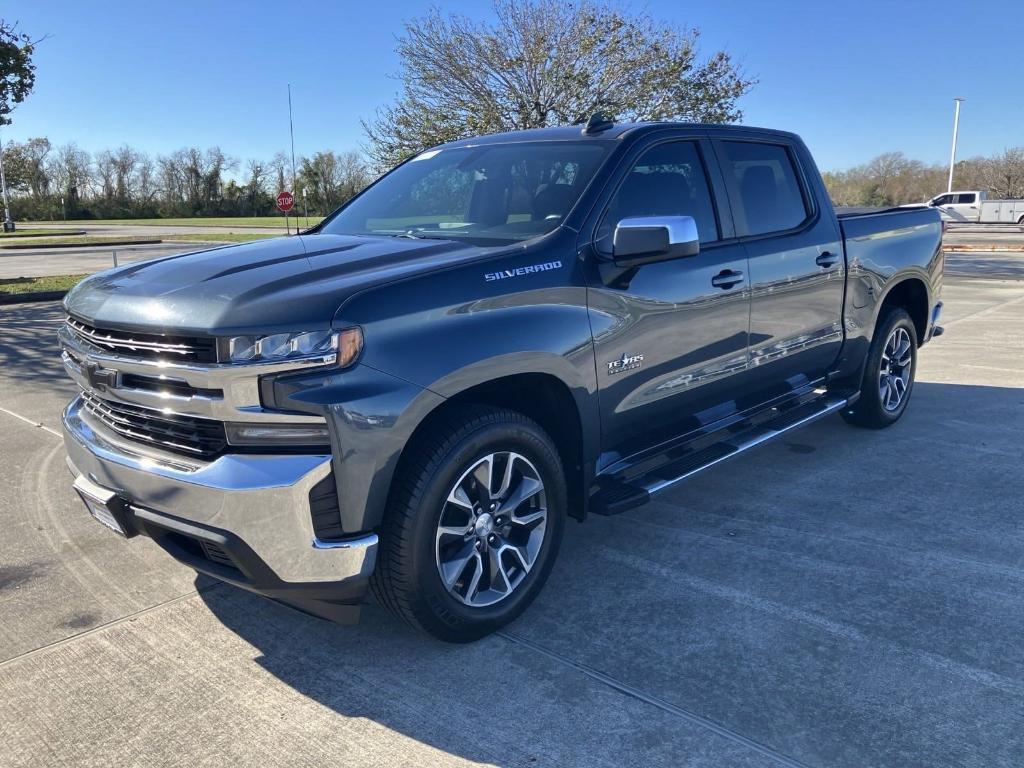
{"points": [[842, 598], [153, 230], [82, 260], [37, 262]]}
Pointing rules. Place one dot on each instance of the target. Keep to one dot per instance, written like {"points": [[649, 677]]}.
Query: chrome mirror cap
{"points": [[646, 239]]}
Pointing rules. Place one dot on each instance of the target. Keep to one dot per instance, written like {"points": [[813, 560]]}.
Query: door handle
{"points": [[727, 278], [827, 259]]}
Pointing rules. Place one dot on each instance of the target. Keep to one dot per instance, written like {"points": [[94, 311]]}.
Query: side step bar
{"points": [[617, 496]]}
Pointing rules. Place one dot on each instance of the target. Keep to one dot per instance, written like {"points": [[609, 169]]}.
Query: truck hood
{"points": [[265, 286]]}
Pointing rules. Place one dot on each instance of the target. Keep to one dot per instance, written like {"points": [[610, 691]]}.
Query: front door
{"points": [[669, 338], [964, 207]]}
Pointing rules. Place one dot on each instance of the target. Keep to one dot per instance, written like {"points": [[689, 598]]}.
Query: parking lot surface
{"points": [[841, 598]]}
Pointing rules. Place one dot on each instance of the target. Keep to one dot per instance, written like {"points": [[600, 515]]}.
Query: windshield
{"points": [[489, 195]]}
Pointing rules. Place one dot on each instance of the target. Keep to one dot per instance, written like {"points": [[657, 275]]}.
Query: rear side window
{"points": [[966, 198], [767, 196], [667, 180]]}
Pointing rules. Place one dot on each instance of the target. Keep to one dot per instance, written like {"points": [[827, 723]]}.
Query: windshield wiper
{"points": [[416, 235]]}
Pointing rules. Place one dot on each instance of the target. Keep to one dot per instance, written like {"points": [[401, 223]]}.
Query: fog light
{"points": [[278, 434]]}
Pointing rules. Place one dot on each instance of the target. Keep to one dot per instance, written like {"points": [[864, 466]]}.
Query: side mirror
{"points": [[648, 239]]}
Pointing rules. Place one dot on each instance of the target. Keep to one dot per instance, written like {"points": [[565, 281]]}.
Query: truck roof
{"points": [[615, 131]]}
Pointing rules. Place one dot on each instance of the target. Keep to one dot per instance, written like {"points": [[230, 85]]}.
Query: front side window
{"points": [[487, 195], [943, 200], [767, 187], [667, 180]]}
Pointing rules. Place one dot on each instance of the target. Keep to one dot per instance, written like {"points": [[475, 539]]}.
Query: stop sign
{"points": [[285, 201]]}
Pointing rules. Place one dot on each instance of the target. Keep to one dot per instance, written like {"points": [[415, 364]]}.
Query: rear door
{"points": [[795, 257], [670, 337]]}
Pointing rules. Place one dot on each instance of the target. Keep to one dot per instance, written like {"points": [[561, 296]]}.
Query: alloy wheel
{"points": [[491, 529], [895, 369]]}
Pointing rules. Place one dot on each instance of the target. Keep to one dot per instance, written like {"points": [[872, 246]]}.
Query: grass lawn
{"points": [[15, 285], [230, 221], [78, 240]]}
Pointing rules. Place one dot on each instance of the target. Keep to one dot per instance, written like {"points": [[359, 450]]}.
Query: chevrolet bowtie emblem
{"points": [[99, 378]]}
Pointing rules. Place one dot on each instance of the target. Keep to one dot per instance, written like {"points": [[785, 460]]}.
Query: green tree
{"points": [[17, 72], [330, 178], [546, 62]]}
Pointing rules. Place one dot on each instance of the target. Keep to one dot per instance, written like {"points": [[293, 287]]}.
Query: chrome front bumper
{"points": [[257, 503]]}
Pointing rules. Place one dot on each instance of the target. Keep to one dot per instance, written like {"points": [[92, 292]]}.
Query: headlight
{"points": [[329, 347]]}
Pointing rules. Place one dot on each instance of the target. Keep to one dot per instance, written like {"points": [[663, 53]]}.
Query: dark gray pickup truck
{"points": [[501, 333]]}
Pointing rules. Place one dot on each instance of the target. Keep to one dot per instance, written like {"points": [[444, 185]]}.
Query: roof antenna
{"points": [[598, 122]]}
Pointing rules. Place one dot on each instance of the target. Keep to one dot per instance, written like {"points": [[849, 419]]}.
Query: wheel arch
{"points": [[909, 293], [546, 399]]}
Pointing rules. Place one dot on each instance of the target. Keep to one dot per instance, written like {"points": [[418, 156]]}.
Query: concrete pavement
{"points": [[842, 598]]}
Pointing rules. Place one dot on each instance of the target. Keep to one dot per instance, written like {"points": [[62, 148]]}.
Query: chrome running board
{"points": [[616, 495]]}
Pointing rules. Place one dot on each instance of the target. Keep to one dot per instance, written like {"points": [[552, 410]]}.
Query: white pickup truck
{"points": [[974, 206]]}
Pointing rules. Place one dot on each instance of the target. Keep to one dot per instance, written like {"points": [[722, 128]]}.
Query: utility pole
{"points": [[8, 223], [952, 154]]}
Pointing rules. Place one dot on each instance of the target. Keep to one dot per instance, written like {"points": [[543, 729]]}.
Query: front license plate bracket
{"points": [[105, 506]]}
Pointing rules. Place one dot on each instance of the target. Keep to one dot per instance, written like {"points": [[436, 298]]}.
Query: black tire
{"points": [[406, 580], [870, 411]]}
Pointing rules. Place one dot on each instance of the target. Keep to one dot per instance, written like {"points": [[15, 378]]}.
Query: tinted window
{"points": [[966, 198], [943, 200], [765, 181], [667, 180], [487, 195]]}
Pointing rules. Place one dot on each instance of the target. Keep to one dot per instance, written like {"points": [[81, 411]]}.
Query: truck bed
{"points": [[851, 211]]}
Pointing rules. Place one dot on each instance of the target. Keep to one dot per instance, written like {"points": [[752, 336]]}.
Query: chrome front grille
{"points": [[201, 438], [146, 346]]}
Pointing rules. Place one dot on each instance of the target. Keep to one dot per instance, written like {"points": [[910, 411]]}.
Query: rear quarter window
{"points": [[765, 189]]}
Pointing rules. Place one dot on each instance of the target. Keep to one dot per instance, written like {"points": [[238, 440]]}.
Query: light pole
{"points": [[952, 153], [8, 223]]}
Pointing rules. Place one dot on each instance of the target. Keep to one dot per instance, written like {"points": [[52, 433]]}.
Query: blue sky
{"points": [[855, 79]]}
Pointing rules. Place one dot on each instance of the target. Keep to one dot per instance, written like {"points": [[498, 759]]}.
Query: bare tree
{"points": [[146, 187], [1005, 174], [280, 166], [68, 169], [105, 173], [256, 184], [124, 161], [547, 62]]}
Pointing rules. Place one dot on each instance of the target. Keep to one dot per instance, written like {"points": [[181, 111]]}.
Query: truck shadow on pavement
{"points": [[29, 350], [855, 613], [474, 702]]}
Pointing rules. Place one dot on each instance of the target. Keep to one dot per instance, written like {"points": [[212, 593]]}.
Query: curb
{"points": [[118, 243], [67, 233], [25, 298]]}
